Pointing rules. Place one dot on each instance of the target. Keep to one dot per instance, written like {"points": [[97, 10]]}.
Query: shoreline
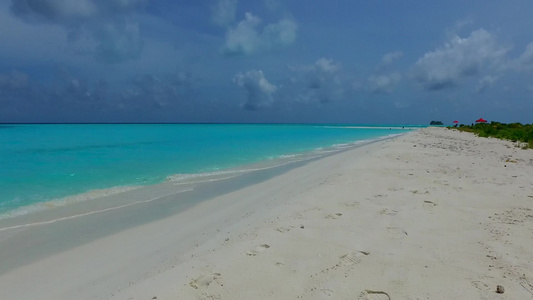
{"points": [[419, 215], [189, 178], [139, 206]]}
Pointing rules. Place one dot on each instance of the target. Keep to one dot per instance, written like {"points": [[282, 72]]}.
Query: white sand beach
{"points": [[433, 214]]}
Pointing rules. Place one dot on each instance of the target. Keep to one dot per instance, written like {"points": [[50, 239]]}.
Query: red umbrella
{"points": [[481, 120], [455, 122]]}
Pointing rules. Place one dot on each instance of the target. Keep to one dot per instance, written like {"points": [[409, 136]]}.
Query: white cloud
{"points": [[383, 83], [485, 83], [320, 66], [389, 58], [458, 58], [224, 12], [245, 38], [282, 33], [260, 90], [525, 61], [326, 65]]}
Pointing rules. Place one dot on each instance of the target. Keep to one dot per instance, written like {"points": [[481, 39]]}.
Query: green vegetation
{"points": [[515, 132]]}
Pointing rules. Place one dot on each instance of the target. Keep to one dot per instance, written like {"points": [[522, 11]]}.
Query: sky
{"points": [[274, 61]]}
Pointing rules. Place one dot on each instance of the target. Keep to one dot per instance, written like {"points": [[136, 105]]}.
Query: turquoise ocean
{"points": [[77, 162]]}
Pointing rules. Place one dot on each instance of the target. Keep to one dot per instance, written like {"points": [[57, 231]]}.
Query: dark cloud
{"points": [[53, 11], [101, 28], [91, 101], [16, 80], [21, 97], [69, 12], [158, 91], [316, 83], [118, 41], [16, 95]]}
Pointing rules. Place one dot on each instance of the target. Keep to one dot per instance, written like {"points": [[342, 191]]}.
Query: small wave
{"points": [[89, 213], [201, 177], [269, 163], [90, 195], [286, 156], [211, 176], [375, 127]]}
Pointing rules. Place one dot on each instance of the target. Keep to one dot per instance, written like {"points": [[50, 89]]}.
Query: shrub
{"points": [[515, 132]]}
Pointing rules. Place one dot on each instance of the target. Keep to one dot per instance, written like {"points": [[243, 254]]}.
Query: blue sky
{"points": [[266, 61]]}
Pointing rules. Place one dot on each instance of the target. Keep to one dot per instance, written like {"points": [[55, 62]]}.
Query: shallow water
{"points": [[48, 165]]}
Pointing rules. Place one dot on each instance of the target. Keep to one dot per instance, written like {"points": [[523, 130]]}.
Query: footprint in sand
{"points": [[374, 295], [351, 203], [258, 250], [429, 204], [203, 281], [284, 229], [388, 212], [352, 258], [207, 296], [347, 260], [299, 216], [484, 290], [396, 232], [481, 286], [333, 216]]}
